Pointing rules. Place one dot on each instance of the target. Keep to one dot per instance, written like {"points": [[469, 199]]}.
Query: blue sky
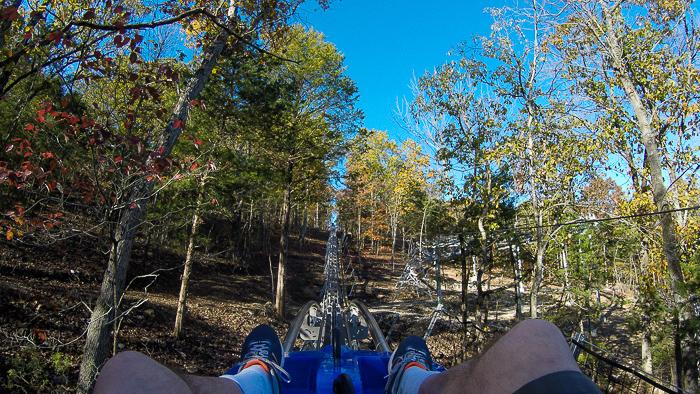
{"points": [[386, 43]]}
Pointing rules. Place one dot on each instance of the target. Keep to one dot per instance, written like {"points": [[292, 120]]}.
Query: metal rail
{"points": [[335, 321]]}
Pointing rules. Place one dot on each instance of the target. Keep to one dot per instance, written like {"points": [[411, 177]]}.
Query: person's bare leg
{"points": [[133, 372], [530, 350]]}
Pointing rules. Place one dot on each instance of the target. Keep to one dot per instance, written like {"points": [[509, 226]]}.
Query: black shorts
{"points": [[562, 382]]}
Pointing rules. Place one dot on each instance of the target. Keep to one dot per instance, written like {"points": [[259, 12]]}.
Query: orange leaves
{"points": [[39, 334], [197, 142], [195, 103], [15, 225]]}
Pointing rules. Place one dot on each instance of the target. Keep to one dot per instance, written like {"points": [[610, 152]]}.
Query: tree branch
{"points": [[197, 11]]}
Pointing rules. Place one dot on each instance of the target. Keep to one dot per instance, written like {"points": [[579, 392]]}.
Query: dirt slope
{"points": [[46, 292]]}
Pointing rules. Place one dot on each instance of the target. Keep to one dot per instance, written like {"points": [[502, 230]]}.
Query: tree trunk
{"points": [[647, 360], [182, 300], [481, 312], [304, 221], [536, 282], [101, 320], [514, 259], [422, 229], [539, 265], [394, 226], [565, 263], [687, 354], [104, 313], [359, 227], [284, 249], [185, 283], [465, 293]]}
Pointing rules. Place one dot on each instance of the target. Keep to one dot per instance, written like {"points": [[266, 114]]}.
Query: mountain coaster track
{"points": [[335, 346]]}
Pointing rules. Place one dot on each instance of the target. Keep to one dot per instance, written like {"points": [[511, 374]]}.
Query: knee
{"points": [[126, 361], [129, 357], [536, 328], [116, 368]]}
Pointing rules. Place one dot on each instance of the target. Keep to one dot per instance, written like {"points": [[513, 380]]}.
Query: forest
{"points": [[231, 131]]}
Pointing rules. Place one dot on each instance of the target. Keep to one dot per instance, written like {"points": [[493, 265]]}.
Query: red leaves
{"points": [[135, 93], [90, 14], [118, 9], [9, 13], [169, 73], [195, 140], [198, 102], [179, 125], [157, 153], [135, 41], [120, 40], [56, 36], [120, 25]]}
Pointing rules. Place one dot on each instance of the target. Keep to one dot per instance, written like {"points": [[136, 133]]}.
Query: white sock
{"points": [[412, 378], [254, 379]]}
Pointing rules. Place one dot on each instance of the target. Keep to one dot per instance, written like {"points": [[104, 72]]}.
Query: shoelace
{"points": [[412, 355], [260, 351]]}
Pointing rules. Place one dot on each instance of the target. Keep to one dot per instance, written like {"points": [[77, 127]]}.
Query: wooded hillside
{"points": [[561, 150]]}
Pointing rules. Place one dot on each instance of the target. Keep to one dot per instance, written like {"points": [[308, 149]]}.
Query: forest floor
{"points": [[46, 293]]}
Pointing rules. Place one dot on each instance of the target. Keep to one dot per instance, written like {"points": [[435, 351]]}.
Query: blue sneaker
{"points": [[412, 351], [263, 347]]}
